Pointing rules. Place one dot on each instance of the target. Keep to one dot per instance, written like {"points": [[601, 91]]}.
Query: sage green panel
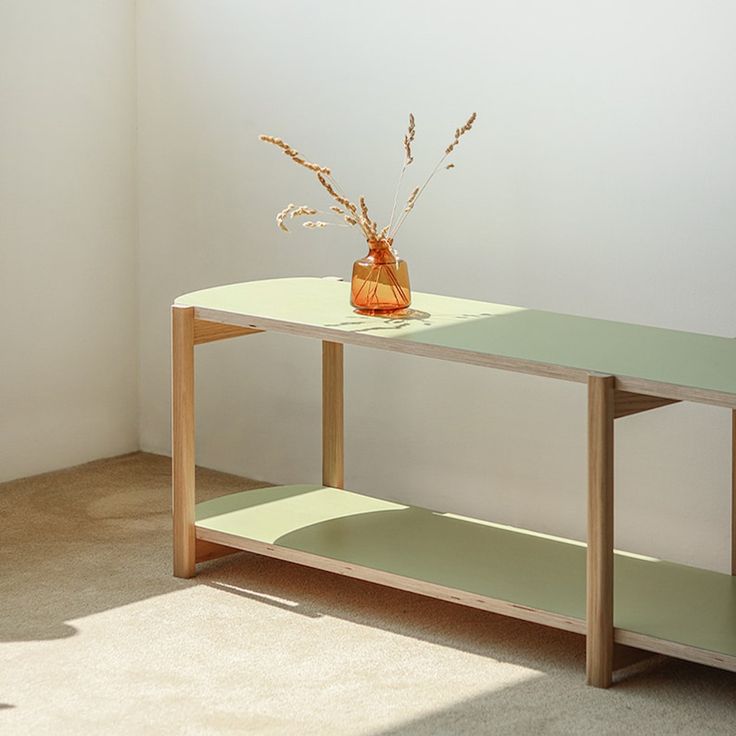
{"points": [[676, 603], [661, 599], [679, 358], [413, 542]]}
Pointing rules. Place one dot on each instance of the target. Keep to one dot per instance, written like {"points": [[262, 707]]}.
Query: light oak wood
{"points": [[628, 403], [208, 331], [733, 492], [182, 442], [675, 649], [211, 551], [599, 609], [333, 432]]}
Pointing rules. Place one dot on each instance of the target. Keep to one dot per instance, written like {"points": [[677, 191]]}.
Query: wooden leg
{"points": [[182, 439], [599, 643], [332, 415], [733, 492]]}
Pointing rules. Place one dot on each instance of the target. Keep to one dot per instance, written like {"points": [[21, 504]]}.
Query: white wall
{"points": [[599, 180], [68, 292]]}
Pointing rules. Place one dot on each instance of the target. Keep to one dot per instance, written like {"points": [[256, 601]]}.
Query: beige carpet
{"points": [[98, 638]]}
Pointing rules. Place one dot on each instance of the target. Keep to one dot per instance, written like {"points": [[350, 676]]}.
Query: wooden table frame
{"points": [[607, 402]]}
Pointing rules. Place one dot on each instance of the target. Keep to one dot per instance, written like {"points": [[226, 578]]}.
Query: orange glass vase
{"points": [[380, 283]]}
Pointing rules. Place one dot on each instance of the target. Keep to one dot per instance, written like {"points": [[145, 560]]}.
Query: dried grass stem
{"points": [[293, 154], [459, 132], [408, 159]]}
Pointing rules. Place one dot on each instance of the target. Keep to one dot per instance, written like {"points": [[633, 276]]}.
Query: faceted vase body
{"points": [[380, 283]]}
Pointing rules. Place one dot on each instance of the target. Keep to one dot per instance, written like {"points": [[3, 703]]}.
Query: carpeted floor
{"points": [[97, 637]]}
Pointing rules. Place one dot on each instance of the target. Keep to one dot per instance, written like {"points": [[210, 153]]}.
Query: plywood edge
{"points": [[499, 362], [505, 608], [391, 580], [408, 347], [675, 649]]}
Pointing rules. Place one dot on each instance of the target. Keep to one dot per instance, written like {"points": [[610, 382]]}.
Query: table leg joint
{"points": [[627, 403]]}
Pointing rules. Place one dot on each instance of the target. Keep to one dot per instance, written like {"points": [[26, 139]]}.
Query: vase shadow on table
{"points": [[400, 315], [403, 318], [391, 320]]}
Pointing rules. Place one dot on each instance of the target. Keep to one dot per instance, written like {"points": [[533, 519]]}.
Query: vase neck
{"points": [[381, 247]]}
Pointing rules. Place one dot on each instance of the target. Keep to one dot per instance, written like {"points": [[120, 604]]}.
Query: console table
{"points": [[658, 606]]}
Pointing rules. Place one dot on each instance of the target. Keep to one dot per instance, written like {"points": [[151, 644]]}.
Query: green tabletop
{"points": [[683, 365]]}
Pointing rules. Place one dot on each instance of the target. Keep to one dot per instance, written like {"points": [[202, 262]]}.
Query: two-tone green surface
{"points": [[672, 602], [578, 345]]}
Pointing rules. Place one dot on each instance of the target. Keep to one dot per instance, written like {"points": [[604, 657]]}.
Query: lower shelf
{"points": [[659, 606]]}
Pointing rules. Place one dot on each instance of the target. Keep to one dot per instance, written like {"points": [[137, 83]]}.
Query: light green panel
{"points": [[679, 358], [660, 599], [409, 541]]}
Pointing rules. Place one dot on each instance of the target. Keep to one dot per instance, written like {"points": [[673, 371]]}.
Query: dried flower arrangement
{"points": [[349, 214], [380, 281]]}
